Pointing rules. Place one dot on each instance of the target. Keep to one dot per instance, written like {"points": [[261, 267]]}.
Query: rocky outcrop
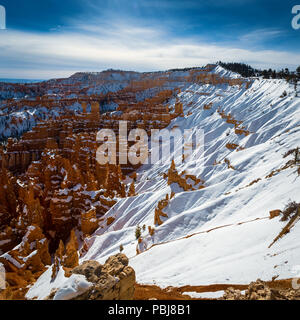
{"points": [[25, 263], [275, 213], [260, 290], [162, 204], [185, 181], [114, 280], [131, 192], [31, 254], [67, 257], [89, 222]]}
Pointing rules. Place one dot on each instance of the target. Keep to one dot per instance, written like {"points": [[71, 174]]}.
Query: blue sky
{"points": [[55, 38]]}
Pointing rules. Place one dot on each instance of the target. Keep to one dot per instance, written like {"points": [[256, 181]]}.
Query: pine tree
{"points": [[265, 74], [295, 86], [298, 72], [138, 232]]}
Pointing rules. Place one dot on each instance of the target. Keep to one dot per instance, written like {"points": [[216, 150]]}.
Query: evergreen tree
{"points": [[265, 74], [287, 72], [241, 68], [138, 232], [298, 72]]}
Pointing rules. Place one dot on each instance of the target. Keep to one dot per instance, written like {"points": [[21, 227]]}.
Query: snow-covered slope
{"points": [[219, 234], [222, 233]]}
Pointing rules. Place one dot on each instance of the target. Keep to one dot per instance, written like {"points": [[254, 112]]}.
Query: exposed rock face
{"points": [[25, 263], [274, 213], [114, 280], [89, 222], [159, 211], [71, 256], [66, 256], [259, 290], [32, 254], [185, 181]]}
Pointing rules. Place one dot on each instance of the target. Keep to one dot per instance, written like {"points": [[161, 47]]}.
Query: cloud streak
{"points": [[96, 47], [260, 35]]}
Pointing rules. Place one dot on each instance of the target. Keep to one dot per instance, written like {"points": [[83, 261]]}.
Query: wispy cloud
{"points": [[96, 47], [260, 35]]}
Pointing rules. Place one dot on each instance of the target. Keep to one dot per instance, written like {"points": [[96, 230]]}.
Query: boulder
{"points": [[114, 280], [274, 213], [260, 290]]}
